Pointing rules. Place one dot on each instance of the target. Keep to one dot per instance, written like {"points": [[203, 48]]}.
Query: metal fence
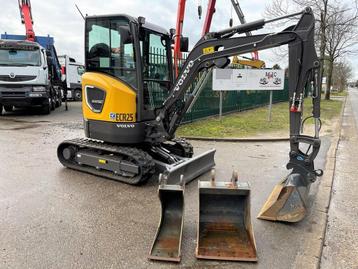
{"points": [[207, 103], [233, 101]]}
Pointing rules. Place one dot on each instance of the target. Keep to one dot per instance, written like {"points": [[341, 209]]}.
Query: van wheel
{"points": [[8, 108], [78, 95]]}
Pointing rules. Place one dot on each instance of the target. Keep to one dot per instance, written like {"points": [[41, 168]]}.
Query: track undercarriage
{"points": [[134, 165]]}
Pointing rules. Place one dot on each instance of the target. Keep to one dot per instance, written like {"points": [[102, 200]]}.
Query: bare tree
{"points": [[326, 12], [320, 9], [341, 36], [341, 75]]}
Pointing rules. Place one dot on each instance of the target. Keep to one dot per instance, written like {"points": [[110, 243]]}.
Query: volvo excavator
{"points": [[130, 136]]}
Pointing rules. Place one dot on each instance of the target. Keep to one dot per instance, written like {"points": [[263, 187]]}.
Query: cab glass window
{"points": [[156, 76], [110, 49]]}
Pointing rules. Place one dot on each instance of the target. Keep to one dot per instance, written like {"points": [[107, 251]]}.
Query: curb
{"points": [[234, 139], [331, 164], [310, 256]]}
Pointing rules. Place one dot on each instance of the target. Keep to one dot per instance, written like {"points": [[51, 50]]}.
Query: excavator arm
{"points": [[214, 50], [288, 201], [224, 206]]}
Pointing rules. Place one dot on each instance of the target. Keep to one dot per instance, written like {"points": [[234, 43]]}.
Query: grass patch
{"points": [[254, 122], [342, 93]]}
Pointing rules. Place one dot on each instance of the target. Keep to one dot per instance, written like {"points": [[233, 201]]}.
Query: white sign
{"points": [[248, 79]]}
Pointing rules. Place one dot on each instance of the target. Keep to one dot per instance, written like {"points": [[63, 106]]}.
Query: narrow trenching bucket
{"points": [[167, 242], [224, 229], [288, 200]]}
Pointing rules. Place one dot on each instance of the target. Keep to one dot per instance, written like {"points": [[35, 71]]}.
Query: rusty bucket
{"points": [[287, 201], [224, 228], [167, 242]]}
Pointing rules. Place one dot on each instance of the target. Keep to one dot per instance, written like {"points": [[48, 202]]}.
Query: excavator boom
{"points": [[214, 50]]}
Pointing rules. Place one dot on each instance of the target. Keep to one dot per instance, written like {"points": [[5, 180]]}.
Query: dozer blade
{"points": [[190, 168], [288, 200], [224, 229], [167, 242]]}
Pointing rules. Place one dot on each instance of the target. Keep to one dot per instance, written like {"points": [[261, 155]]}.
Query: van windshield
{"points": [[14, 57]]}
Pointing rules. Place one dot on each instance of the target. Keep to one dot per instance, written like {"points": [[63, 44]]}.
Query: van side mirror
{"points": [[184, 44]]}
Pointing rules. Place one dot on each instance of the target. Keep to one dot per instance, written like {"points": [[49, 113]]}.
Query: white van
{"points": [[72, 72]]}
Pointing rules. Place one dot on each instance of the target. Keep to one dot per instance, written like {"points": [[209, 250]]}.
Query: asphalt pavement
{"points": [[53, 217], [341, 241]]}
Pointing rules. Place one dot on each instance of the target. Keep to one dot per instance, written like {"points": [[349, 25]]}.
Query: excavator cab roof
{"points": [[146, 25]]}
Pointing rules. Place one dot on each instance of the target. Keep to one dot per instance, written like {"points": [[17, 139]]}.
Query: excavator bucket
{"points": [[288, 200], [224, 229], [167, 242]]}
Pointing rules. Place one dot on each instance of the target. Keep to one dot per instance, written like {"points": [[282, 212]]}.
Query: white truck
{"points": [[25, 77], [72, 75]]}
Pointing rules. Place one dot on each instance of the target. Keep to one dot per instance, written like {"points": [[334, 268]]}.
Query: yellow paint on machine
{"points": [[208, 50], [120, 98], [102, 161]]}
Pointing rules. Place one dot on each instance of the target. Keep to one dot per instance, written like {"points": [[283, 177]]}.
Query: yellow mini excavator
{"points": [[131, 135]]}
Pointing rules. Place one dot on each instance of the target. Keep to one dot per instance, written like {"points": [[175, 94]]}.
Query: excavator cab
{"points": [[136, 53]]}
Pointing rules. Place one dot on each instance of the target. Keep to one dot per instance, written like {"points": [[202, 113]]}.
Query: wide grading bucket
{"points": [[167, 242], [224, 228], [190, 168], [288, 200]]}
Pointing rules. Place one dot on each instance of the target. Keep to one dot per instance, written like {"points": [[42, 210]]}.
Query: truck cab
{"points": [[25, 76]]}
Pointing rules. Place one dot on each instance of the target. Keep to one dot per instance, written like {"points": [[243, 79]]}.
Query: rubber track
{"points": [[142, 159], [187, 147], [181, 144]]}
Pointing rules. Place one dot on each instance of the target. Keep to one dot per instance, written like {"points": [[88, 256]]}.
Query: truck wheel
{"points": [[0, 109], [53, 104], [8, 108], [78, 95], [46, 109], [57, 103]]}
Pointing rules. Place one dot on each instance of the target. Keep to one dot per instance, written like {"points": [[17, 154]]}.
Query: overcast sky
{"points": [[61, 20]]}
